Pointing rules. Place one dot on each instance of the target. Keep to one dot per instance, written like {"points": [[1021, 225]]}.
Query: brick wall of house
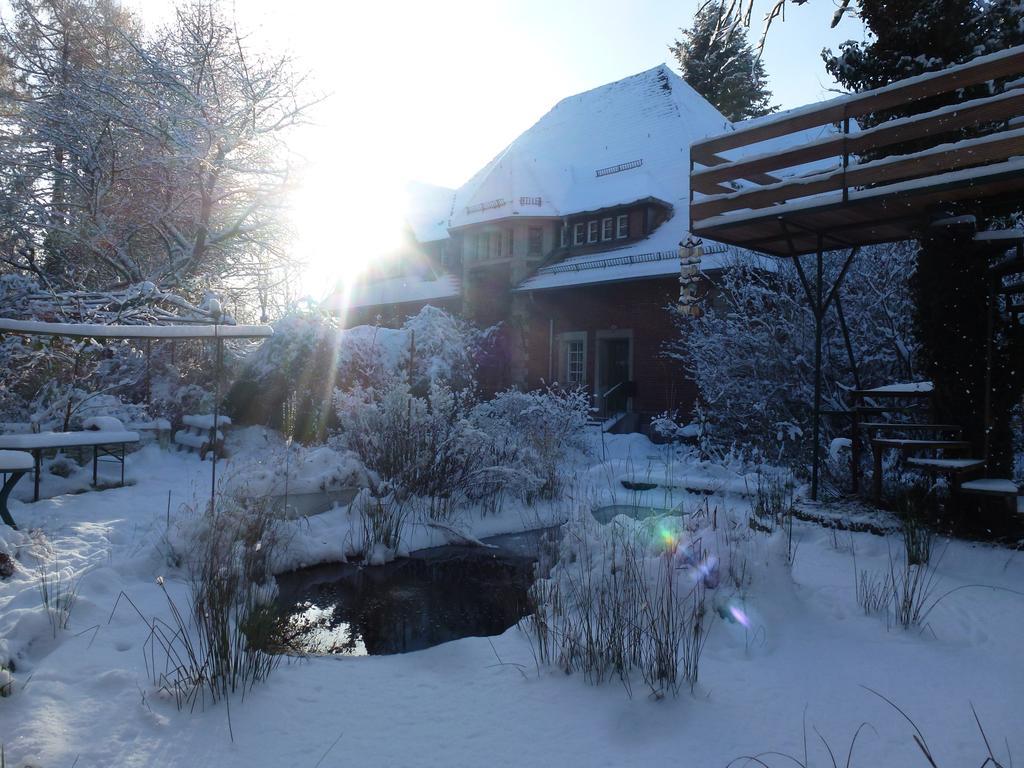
{"points": [[639, 307]]}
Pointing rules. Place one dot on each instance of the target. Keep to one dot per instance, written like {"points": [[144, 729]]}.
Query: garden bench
{"points": [[101, 441], [13, 464], [201, 434]]}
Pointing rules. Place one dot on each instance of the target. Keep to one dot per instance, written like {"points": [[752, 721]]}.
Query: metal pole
{"points": [[815, 467], [989, 355], [216, 421]]}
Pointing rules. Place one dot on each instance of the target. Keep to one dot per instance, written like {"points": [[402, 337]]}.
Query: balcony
{"points": [[858, 191]]}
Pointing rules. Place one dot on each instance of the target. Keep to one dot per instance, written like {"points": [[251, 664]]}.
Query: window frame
{"points": [[607, 229], [622, 226], [593, 231], [569, 343], [579, 233], [566, 239]]}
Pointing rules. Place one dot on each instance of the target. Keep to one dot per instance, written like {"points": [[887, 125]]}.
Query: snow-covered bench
{"points": [[100, 440], [202, 433], [13, 464]]}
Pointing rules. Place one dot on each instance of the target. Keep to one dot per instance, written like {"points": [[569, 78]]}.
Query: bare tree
{"points": [[133, 159]]}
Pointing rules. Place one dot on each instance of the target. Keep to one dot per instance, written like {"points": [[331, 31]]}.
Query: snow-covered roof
{"points": [[616, 144], [427, 210], [657, 256], [399, 290]]}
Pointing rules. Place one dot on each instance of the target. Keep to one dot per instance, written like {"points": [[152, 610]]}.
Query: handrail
{"points": [[980, 70], [861, 166]]}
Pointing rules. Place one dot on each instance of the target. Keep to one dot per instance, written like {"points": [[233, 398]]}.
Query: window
{"points": [[622, 226], [572, 362], [607, 228], [535, 241], [565, 235], [494, 251], [593, 230], [481, 246], [575, 363], [578, 234]]}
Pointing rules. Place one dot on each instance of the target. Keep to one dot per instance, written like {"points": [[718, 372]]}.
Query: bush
{"points": [[289, 381], [751, 352], [536, 430], [217, 647]]}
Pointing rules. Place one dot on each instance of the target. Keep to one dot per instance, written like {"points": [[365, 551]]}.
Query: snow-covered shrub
{"points": [[382, 520], [539, 429], [751, 352], [288, 382], [58, 590], [218, 647], [623, 599], [419, 446]]}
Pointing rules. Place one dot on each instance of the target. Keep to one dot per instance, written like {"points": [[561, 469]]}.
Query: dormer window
{"points": [[622, 226], [607, 228], [578, 234], [565, 236], [593, 230]]}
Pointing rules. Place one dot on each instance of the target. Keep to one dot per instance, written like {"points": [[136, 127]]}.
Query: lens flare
{"points": [[739, 615]]}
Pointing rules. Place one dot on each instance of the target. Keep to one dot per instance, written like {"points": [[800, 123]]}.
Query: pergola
{"points": [[844, 191], [215, 332]]}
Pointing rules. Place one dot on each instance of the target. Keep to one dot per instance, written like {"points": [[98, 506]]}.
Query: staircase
{"points": [[937, 449], [927, 446]]}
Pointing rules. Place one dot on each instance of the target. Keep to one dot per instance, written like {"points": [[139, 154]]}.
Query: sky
{"points": [[431, 91]]}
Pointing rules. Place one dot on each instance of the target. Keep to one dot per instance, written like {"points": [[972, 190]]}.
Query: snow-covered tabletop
{"points": [[15, 461], [913, 388], [41, 440]]}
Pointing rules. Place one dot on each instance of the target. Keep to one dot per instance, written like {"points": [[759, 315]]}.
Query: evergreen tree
{"points": [[910, 37], [716, 59]]}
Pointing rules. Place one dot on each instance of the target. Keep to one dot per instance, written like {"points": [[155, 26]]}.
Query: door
{"points": [[614, 370]]}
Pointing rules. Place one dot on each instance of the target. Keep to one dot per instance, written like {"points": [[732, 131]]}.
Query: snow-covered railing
{"points": [[93, 330], [765, 197]]}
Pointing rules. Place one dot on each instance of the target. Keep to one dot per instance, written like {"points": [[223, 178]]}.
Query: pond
{"points": [[637, 511], [431, 597]]}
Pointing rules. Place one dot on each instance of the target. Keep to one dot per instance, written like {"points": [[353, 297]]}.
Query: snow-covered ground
{"points": [[84, 698]]}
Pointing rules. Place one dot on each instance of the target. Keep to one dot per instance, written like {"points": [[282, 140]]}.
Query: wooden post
{"points": [[95, 464]]}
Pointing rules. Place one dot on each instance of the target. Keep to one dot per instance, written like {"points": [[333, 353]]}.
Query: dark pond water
{"points": [[431, 597]]}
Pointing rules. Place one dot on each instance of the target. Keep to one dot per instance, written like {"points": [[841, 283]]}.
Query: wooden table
{"points": [[100, 440], [13, 464]]}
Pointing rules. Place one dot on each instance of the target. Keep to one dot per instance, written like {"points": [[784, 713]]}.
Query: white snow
{"points": [[909, 388], [973, 176], [850, 100], [427, 209], [399, 290], [103, 423], [639, 261], [135, 331], [15, 460], [990, 485], [652, 117], [67, 439], [85, 697], [1000, 234], [205, 421]]}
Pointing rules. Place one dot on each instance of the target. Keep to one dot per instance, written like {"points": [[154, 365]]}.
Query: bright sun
{"points": [[344, 215]]}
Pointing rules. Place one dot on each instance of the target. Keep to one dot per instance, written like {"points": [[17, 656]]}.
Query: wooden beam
{"points": [[1000, 107], [974, 72], [941, 159]]}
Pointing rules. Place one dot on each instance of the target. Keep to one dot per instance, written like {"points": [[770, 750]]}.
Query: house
{"points": [[570, 239]]}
